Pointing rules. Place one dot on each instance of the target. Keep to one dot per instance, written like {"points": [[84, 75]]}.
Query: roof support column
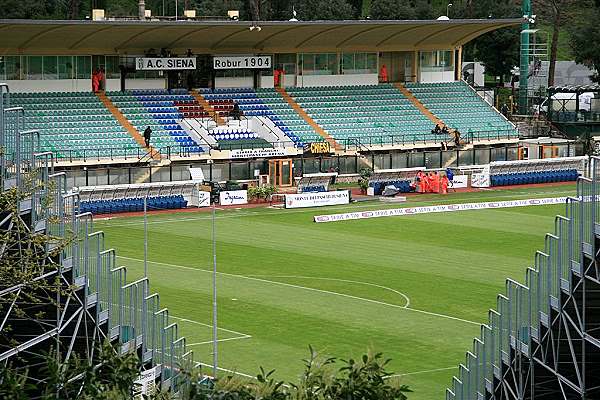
{"points": [[458, 65], [415, 67]]}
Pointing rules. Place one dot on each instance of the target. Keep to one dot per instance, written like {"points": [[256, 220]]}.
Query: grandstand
{"points": [[369, 114], [75, 125], [459, 107], [95, 301], [160, 111]]}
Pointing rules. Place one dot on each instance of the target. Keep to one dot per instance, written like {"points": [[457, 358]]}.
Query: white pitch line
{"points": [[311, 289], [424, 371], [209, 325], [221, 340], [226, 370], [341, 280]]}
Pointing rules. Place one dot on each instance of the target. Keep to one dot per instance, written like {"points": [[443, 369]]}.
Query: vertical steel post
{"points": [[215, 330], [146, 236]]}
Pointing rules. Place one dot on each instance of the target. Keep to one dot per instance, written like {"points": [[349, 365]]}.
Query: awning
{"points": [[236, 37]]}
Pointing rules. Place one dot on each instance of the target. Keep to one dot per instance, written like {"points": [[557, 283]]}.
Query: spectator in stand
{"points": [[235, 112], [147, 134], [445, 130], [456, 138], [383, 73], [443, 146], [504, 110], [436, 130]]}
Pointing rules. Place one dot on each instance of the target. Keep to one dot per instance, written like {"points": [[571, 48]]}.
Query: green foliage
{"points": [[363, 181], [585, 41], [400, 9], [261, 192], [322, 379], [111, 377], [309, 10], [497, 50]]}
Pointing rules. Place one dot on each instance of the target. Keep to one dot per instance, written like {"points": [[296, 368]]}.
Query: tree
{"points": [[555, 11], [400, 9], [497, 50], [220, 7], [310, 10], [585, 40]]}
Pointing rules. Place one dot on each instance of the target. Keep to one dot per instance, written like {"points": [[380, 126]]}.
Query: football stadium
{"points": [[190, 202]]}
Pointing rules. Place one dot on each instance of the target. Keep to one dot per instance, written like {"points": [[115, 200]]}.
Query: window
{"points": [[65, 67], [84, 67], [436, 61], [359, 63], [319, 64], [112, 67], [34, 67], [287, 62], [12, 67], [50, 64]]}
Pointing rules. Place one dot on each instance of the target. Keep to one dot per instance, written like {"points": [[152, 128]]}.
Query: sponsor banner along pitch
{"points": [[395, 212], [317, 199]]}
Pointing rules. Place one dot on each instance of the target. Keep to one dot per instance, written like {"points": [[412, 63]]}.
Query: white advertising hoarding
{"points": [[396, 212], [317, 199], [257, 153], [163, 64], [203, 199], [242, 62], [459, 182], [232, 197]]}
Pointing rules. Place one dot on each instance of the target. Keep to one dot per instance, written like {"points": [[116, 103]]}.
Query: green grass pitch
{"points": [[286, 282]]}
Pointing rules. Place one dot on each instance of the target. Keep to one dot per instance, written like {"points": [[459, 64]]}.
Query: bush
{"points": [[261, 192]]}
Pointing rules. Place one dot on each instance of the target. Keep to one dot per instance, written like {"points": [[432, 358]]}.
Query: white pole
{"points": [[215, 333], [176, 10], [146, 237]]}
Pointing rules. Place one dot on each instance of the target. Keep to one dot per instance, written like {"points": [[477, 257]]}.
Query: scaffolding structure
{"points": [[93, 300]]}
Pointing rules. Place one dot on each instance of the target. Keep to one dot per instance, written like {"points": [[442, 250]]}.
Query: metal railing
{"points": [[126, 307]]}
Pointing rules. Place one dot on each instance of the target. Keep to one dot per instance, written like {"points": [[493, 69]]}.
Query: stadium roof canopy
{"points": [[235, 37]]}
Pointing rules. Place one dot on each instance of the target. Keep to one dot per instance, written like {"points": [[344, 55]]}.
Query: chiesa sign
{"points": [[164, 64]]}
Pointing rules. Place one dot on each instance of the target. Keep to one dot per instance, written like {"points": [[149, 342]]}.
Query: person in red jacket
{"points": [[435, 182], [95, 80], [420, 182], [383, 73], [444, 185]]}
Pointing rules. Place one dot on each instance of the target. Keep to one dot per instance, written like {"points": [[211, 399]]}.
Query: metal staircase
{"points": [[93, 301], [543, 339]]}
